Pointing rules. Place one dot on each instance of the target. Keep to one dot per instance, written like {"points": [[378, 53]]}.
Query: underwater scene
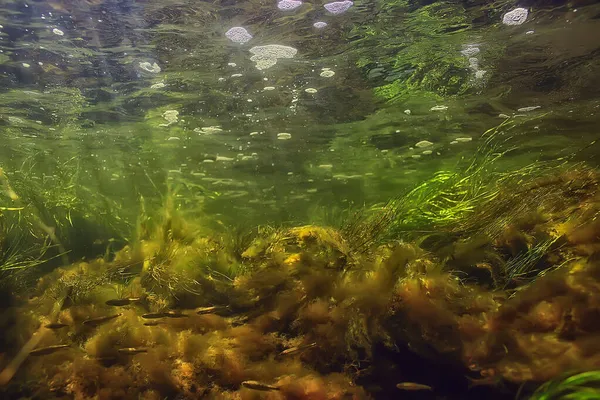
{"points": [[300, 199]]}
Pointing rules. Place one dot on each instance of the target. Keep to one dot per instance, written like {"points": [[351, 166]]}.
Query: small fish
{"points": [[297, 349], [211, 310], [42, 351], [485, 381], [123, 302], [132, 350], [154, 315], [259, 386], [100, 320], [153, 323], [165, 314], [175, 314], [412, 386], [55, 325]]}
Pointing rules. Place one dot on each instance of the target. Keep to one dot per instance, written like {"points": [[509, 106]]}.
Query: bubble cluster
{"points": [[327, 73], [152, 68], [267, 56], [288, 5], [208, 130], [238, 34], [58, 32], [171, 116], [438, 108], [338, 7], [423, 143], [515, 17], [470, 50]]}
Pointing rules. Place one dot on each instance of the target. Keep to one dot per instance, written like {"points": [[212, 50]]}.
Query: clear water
{"points": [[76, 97]]}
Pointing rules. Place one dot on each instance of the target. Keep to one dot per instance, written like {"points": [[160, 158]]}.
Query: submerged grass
{"points": [[581, 386]]}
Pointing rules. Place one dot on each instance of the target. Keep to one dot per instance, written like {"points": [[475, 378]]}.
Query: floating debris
{"points": [[515, 17], [320, 24], [159, 85], [26, 65], [58, 32], [236, 75], [42, 351], [55, 325], [284, 136], [255, 385], [238, 35], [310, 90], [338, 7], [407, 112], [427, 152], [132, 350], [172, 138], [327, 73], [327, 167], [298, 349], [268, 88], [528, 109], [152, 68], [267, 56], [123, 302], [438, 108], [412, 386], [100, 320], [288, 5], [423, 143]]}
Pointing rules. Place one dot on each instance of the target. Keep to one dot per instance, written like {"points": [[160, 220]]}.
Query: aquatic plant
{"points": [[578, 386]]}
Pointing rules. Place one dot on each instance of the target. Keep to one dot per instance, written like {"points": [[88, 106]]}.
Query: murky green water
{"points": [[78, 96], [112, 112]]}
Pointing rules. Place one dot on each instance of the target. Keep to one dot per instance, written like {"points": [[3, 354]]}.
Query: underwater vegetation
{"points": [[494, 298], [577, 386]]}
